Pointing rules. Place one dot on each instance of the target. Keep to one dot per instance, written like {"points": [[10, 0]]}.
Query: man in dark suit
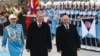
{"points": [[38, 37], [67, 38]]}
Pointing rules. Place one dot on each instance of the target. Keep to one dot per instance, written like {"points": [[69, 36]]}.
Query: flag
{"points": [[28, 21], [88, 27], [33, 4]]}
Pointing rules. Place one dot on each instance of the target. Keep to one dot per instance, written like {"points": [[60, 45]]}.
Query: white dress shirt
{"points": [[66, 26], [39, 23]]}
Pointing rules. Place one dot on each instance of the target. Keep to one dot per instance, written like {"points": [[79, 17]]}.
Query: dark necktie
{"points": [[67, 27], [39, 25]]}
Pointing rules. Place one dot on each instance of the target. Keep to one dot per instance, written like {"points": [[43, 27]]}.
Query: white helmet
{"points": [[92, 3], [55, 3], [65, 2], [82, 3], [69, 2], [97, 3], [49, 3], [74, 3], [87, 3], [41, 3]]}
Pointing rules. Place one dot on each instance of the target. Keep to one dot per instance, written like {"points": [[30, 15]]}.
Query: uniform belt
{"points": [[14, 39]]}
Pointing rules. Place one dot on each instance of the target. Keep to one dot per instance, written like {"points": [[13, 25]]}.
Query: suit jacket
{"points": [[67, 40], [38, 39]]}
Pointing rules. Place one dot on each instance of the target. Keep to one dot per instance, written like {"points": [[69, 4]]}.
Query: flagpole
{"points": [[91, 35], [88, 16], [89, 8], [83, 16], [71, 12], [74, 13], [95, 19]]}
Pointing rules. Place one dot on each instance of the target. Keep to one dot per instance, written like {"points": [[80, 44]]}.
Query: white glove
{"points": [[4, 49]]}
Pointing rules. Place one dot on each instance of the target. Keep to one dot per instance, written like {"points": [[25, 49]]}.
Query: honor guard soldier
{"points": [[15, 36]]}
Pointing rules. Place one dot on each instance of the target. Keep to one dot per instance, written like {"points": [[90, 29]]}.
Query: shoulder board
{"points": [[7, 26]]}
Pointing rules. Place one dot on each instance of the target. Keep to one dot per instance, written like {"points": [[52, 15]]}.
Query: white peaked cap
{"points": [[12, 16], [74, 3], [49, 3]]}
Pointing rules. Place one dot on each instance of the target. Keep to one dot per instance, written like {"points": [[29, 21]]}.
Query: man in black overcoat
{"points": [[67, 38], [38, 41]]}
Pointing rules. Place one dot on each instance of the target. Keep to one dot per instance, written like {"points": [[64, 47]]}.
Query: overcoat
{"points": [[67, 40], [38, 39]]}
